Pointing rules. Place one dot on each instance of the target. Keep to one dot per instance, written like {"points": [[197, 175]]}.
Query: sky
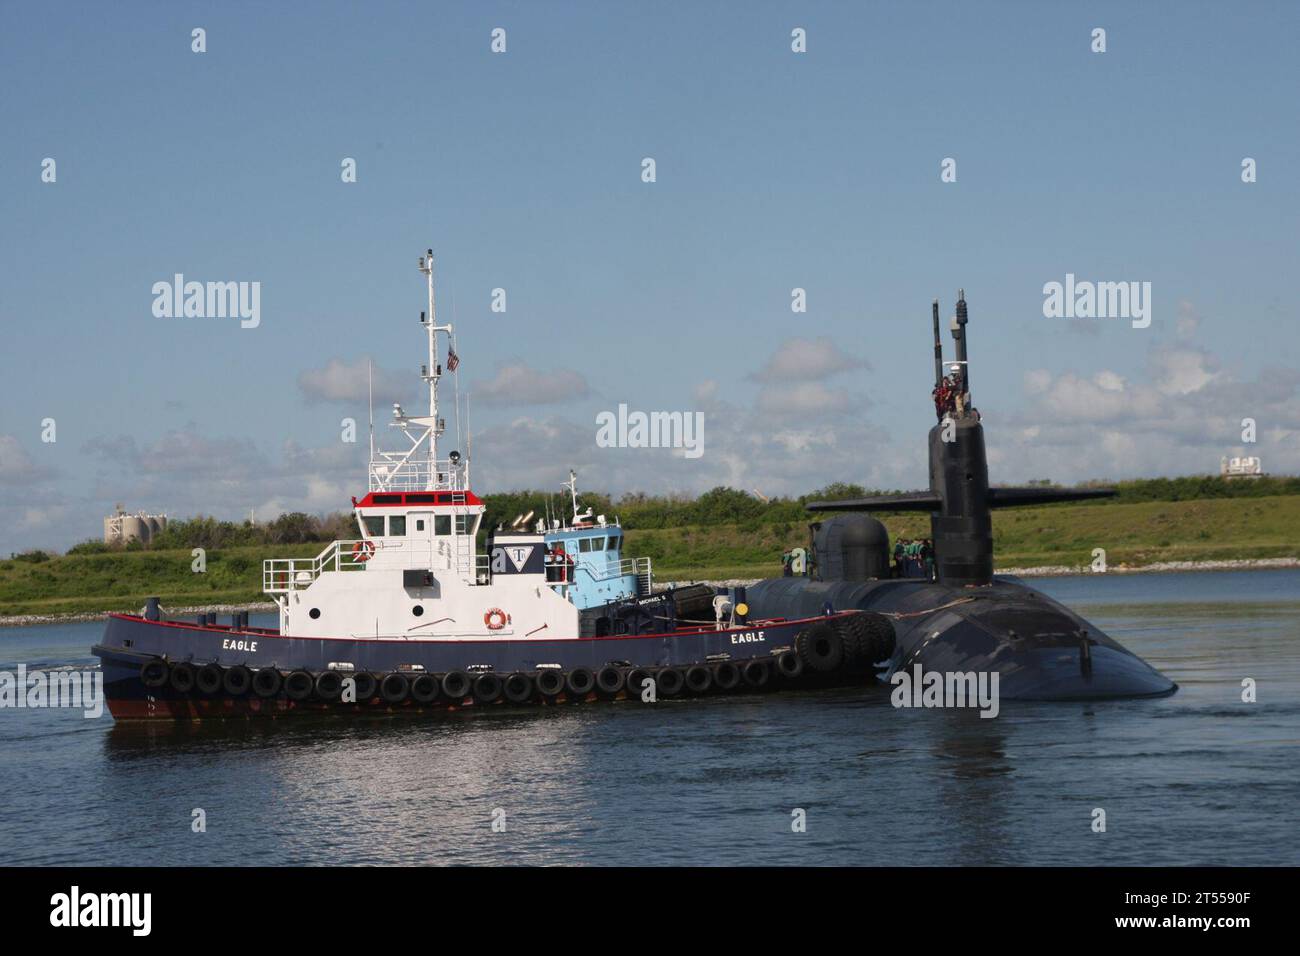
{"points": [[523, 170]]}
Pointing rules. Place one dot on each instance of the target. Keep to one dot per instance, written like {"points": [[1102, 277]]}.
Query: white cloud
{"points": [[1179, 371], [803, 359], [520, 384], [341, 381], [16, 465]]}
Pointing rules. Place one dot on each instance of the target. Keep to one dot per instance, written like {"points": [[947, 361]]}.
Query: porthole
{"points": [[314, 613], [418, 610]]}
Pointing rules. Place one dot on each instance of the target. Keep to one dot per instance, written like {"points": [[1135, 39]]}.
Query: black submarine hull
{"points": [[1040, 649]]}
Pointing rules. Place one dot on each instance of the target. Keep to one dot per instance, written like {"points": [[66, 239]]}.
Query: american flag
{"points": [[452, 359]]}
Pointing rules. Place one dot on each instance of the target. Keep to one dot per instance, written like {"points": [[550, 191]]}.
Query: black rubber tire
{"points": [[394, 688], [550, 682], [635, 682], [790, 665], [153, 674], [699, 679], [267, 682], [455, 686], [367, 686], [610, 680], [182, 677], [578, 683], [425, 689], [757, 673], [207, 679], [518, 688], [726, 676], [298, 685], [329, 685], [669, 681], [487, 688], [883, 637], [855, 634], [821, 648], [237, 680]]}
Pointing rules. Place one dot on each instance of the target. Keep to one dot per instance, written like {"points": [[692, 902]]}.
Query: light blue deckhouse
{"points": [[588, 552]]}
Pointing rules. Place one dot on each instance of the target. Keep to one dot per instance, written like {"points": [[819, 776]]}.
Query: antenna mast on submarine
{"points": [[962, 365], [938, 349]]}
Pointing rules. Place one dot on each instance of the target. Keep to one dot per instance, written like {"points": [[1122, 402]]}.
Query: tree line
{"points": [[719, 506]]}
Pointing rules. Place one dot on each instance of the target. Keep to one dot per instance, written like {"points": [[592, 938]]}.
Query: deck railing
{"points": [[282, 575], [417, 475]]}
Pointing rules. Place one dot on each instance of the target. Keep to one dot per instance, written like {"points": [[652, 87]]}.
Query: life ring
{"points": [[495, 619], [363, 551]]}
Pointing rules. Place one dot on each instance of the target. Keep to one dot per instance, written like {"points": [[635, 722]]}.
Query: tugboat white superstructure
{"points": [[410, 615], [418, 526]]}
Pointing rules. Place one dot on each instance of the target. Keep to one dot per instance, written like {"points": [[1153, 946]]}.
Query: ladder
{"points": [[644, 583], [464, 555]]}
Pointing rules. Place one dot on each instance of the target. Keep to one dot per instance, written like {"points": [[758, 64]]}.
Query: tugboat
{"points": [[591, 551], [410, 616], [964, 619]]}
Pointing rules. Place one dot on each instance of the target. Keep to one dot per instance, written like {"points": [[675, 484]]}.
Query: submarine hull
{"points": [[1040, 649]]}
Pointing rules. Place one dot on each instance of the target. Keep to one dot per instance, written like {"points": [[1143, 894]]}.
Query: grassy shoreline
{"points": [[1155, 535]]}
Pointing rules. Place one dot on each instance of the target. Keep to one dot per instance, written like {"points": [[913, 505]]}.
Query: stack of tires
{"points": [[859, 639]]}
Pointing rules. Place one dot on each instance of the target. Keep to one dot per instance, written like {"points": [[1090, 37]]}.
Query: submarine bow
{"points": [[960, 618]]}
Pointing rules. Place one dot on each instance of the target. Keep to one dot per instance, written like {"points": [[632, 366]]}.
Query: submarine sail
{"points": [[961, 617]]}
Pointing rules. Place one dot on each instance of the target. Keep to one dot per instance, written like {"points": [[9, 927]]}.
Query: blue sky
{"points": [[775, 170]]}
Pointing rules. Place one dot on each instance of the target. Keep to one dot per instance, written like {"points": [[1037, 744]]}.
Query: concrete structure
{"points": [[121, 527], [1240, 467]]}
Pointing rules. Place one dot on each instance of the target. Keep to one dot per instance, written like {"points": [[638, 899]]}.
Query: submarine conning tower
{"points": [[960, 500], [962, 528]]}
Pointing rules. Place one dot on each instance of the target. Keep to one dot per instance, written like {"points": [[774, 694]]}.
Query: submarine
{"points": [[959, 617]]}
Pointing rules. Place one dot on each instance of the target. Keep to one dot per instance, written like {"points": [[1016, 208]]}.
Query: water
{"points": [[1197, 778]]}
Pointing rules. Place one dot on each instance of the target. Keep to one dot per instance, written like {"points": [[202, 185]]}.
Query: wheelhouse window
{"points": [[442, 524], [597, 544], [615, 542], [396, 524], [462, 524], [584, 545], [374, 525]]}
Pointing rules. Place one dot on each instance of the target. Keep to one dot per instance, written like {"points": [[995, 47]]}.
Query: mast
{"points": [[939, 349], [959, 339], [417, 468], [432, 371]]}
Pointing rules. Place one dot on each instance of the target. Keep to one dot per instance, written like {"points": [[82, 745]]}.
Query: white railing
{"points": [[616, 569], [282, 575], [416, 475], [634, 567]]}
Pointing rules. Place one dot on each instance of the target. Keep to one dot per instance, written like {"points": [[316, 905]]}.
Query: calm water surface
{"points": [[1199, 777]]}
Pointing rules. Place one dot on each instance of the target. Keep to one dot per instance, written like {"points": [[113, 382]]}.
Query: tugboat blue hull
{"points": [[131, 642]]}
